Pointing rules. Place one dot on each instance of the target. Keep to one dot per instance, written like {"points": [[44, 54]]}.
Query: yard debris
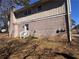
{"points": [[29, 48]]}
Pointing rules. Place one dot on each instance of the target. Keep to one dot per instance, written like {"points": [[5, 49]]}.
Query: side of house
{"points": [[42, 19]]}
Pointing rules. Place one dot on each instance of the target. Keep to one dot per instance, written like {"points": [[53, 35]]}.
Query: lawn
{"points": [[43, 48]]}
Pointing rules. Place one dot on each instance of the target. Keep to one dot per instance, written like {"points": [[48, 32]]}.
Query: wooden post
{"points": [[10, 24], [68, 20], [13, 26]]}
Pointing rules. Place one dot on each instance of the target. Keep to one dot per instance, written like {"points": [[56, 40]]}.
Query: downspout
{"points": [[68, 19]]}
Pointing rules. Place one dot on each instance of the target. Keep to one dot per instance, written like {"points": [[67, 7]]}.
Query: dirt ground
{"points": [[34, 48]]}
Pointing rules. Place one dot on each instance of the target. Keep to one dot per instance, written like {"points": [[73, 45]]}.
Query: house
{"points": [[42, 19], [75, 29]]}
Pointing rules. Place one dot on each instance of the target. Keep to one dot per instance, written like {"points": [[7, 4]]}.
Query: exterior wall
{"points": [[45, 27], [46, 22]]}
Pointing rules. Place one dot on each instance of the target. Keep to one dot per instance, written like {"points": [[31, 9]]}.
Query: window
{"points": [[25, 13], [39, 8], [27, 25], [29, 11]]}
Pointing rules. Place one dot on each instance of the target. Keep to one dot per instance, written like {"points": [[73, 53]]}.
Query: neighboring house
{"points": [[75, 29], [42, 19]]}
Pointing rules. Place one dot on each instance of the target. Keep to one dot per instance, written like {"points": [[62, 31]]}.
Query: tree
{"points": [[73, 23], [22, 2], [18, 2], [77, 26], [6, 7]]}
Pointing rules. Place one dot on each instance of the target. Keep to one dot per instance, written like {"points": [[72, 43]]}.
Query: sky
{"points": [[75, 10]]}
